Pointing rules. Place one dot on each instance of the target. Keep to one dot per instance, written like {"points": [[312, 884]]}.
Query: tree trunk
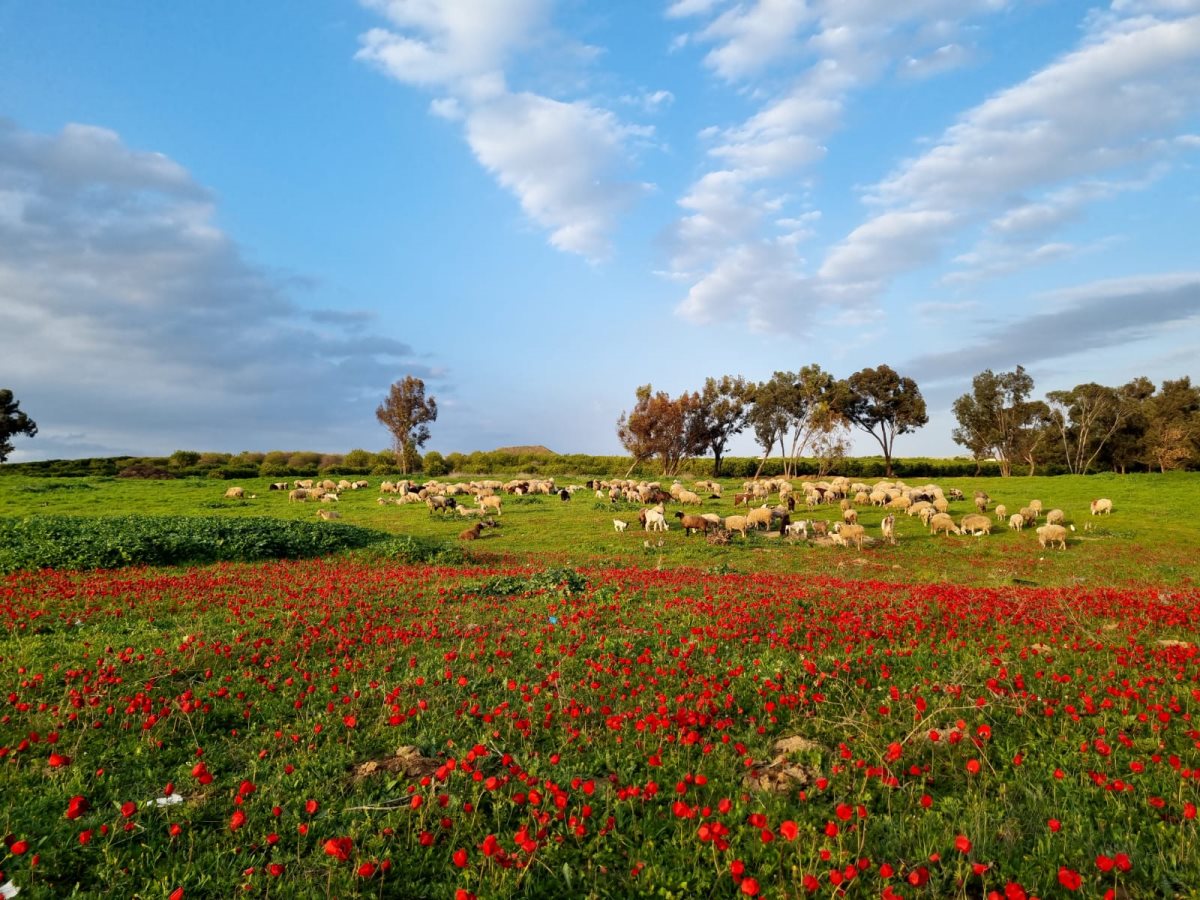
{"points": [[716, 463]]}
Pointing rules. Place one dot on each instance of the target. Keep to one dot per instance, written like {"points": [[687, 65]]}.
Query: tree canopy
{"points": [[12, 422], [661, 426], [406, 413], [997, 419], [884, 404]]}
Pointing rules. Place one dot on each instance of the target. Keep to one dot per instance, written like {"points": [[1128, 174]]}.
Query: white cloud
{"points": [[135, 321], [561, 160]]}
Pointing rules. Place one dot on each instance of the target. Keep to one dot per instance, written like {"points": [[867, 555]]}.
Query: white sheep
{"points": [[619, 526], [944, 523], [491, 503], [1016, 522], [1001, 512], [761, 516], [688, 498], [1103, 506], [655, 520], [297, 495], [888, 527], [1055, 517], [235, 493], [849, 534], [737, 523], [850, 516], [799, 528], [1052, 534], [329, 498], [976, 524], [713, 518]]}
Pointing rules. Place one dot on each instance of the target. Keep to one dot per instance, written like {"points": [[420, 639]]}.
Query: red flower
{"points": [[749, 887], [1123, 862], [962, 844], [77, 806], [789, 829], [1069, 878], [16, 848], [128, 808], [338, 848], [57, 760], [460, 858], [844, 811], [366, 870], [918, 876], [1054, 825], [311, 806], [973, 766], [1104, 863], [237, 820], [275, 869], [176, 894]]}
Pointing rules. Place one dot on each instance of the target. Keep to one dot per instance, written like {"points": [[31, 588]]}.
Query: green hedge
{"points": [[79, 542]]}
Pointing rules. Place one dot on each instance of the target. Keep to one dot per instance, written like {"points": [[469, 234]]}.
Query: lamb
{"points": [[1001, 512], [976, 524], [981, 501], [235, 493], [737, 523], [850, 516], [798, 528], [919, 507], [472, 533], [888, 527], [619, 526], [1055, 517], [1103, 506], [1052, 534], [926, 514], [900, 502], [328, 514], [493, 503], [877, 498], [850, 534], [693, 523], [819, 528], [360, 484], [942, 522], [955, 494], [1016, 522]]}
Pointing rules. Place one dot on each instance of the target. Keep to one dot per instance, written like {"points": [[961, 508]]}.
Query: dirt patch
{"points": [[407, 761], [783, 774], [1171, 642]]}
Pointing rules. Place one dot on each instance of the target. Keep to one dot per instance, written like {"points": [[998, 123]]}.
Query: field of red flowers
{"points": [[334, 729]]}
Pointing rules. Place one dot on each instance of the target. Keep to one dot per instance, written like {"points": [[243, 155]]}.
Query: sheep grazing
{"points": [[1001, 512], [345, 485], [942, 522], [688, 498], [655, 520], [472, 533], [850, 516], [326, 515], [619, 526], [955, 494], [693, 523], [278, 486], [850, 534], [440, 504], [796, 529], [737, 523], [299, 494], [1029, 514], [1016, 522], [888, 527], [819, 528], [900, 502], [329, 498], [491, 503], [976, 524], [941, 504], [760, 517], [1055, 517], [1101, 507], [235, 493], [1035, 505], [981, 501], [1052, 534]]}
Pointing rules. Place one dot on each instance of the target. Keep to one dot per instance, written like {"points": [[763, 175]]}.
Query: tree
{"points": [[660, 426], [1085, 417], [996, 418], [12, 422], [720, 414], [1173, 425], [770, 416], [883, 404], [405, 413]]}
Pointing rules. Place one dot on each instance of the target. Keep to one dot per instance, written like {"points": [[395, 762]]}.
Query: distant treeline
{"points": [[282, 465]]}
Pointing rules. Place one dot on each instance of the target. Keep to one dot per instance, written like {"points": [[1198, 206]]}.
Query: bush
{"points": [[145, 470], [82, 542], [435, 465]]}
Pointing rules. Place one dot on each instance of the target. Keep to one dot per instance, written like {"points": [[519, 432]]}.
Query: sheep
{"points": [[942, 522], [619, 526], [297, 495], [1016, 522], [900, 502], [305, 484], [491, 503], [439, 504], [329, 498], [693, 523], [976, 524], [278, 486], [819, 528], [739, 499], [1055, 517], [1103, 506], [235, 493], [327, 514], [713, 518], [981, 501], [1029, 514], [926, 514], [955, 494], [737, 523], [919, 507], [1052, 534], [850, 534], [472, 533], [1001, 512], [799, 528], [469, 512], [345, 485], [1035, 505], [761, 516], [360, 484], [888, 527], [655, 521], [941, 504], [688, 498], [850, 516], [329, 485]]}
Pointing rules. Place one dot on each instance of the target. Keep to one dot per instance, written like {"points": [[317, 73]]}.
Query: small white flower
{"points": [[169, 800]]}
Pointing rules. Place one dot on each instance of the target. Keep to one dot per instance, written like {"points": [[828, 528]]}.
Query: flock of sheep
{"points": [[929, 503]]}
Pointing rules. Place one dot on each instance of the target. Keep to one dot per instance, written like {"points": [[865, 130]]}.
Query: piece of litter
{"points": [[8, 889], [169, 800], [554, 620]]}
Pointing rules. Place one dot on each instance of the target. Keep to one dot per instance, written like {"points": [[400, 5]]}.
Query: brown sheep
{"points": [[693, 523], [472, 533], [850, 534]]}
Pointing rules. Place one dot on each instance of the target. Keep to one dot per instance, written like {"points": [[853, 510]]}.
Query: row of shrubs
{"points": [[85, 542], [189, 464]]}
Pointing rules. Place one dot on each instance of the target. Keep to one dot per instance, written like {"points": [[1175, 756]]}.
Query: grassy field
{"points": [[1153, 536], [570, 712]]}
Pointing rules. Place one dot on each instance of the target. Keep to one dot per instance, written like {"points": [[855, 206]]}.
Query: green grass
{"points": [[1152, 537]]}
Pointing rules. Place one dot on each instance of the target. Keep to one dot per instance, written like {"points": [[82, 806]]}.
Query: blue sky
{"points": [[231, 226]]}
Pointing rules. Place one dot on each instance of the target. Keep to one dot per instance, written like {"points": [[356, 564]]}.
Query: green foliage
{"points": [[568, 581], [413, 550], [78, 542], [435, 465]]}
